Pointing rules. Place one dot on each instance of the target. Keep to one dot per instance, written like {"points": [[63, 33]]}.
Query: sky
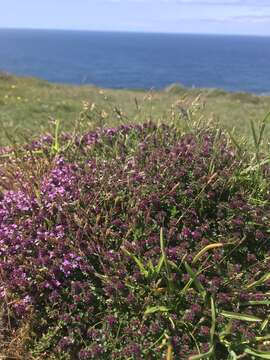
{"points": [[245, 17]]}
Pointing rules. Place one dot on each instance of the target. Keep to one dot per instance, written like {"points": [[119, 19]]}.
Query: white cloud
{"points": [[246, 19]]}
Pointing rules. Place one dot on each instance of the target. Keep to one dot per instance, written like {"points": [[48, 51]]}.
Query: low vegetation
{"points": [[139, 241], [29, 106]]}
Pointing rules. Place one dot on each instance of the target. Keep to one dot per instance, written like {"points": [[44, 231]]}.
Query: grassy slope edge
{"points": [[27, 105]]}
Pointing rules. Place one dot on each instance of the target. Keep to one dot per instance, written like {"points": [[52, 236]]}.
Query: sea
{"points": [[138, 60]]}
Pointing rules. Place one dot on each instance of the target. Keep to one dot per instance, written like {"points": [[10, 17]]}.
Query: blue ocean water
{"points": [[134, 60]]}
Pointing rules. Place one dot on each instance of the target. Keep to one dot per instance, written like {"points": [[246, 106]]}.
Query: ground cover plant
{"points": [[135, 242]]}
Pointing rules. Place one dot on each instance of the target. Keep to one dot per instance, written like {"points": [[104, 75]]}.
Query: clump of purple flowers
{"points": [[132, 241]]}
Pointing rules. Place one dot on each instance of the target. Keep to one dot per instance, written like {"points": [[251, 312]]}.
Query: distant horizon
{"points": [[137, 32]]}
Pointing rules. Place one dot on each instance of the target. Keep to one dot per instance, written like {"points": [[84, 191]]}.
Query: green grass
{"points": [[28, 106]]}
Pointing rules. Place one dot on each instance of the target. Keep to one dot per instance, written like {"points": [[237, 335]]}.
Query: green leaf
{"points": [[256, 302], [144, 272], [166, 264], [160, 264], [56, 146], [264, 324], [154, 309], [254, 135], [141, 267], [193, 276], [255, 167], [162, 245], [232, 355], [258, 353], [263, 125], [202, 356], [213, 325], [226, 331], [262, 338], [186, 287], [234, 141], [173, 265], [259, 282], [151, 266], [238, 316]]}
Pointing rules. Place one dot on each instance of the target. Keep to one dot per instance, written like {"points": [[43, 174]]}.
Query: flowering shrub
{"points": [[137, 242]]}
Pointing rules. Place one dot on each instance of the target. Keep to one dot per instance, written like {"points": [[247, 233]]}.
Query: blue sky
{"points": [[191, 16]]}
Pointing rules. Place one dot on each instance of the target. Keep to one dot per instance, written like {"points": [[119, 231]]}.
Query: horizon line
{"points": [[134, 32]]}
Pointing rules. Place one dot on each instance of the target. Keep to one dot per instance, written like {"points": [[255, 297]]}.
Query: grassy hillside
{"points": [[27, 106]]}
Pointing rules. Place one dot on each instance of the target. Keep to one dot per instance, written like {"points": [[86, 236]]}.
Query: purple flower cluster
{"points": [[80, 246]]}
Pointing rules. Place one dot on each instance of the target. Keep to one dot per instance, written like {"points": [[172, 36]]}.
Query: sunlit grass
{"points": [[27, 106]]}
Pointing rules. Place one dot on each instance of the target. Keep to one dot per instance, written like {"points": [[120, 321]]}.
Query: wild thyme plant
{"points": [[135, 242]]}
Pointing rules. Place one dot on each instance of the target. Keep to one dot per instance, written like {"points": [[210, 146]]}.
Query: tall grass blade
{"points": [[166, 263], [160, 264], [206, 355], [238, 316], [257, 353], [255, 140], [235, 142], [254, 135], [194, 279], [143, 270], [256, 302], [259, 282], [205, 249], [262, 129], [169, 355], [56, 145], [155, 309], [213, 325]]}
